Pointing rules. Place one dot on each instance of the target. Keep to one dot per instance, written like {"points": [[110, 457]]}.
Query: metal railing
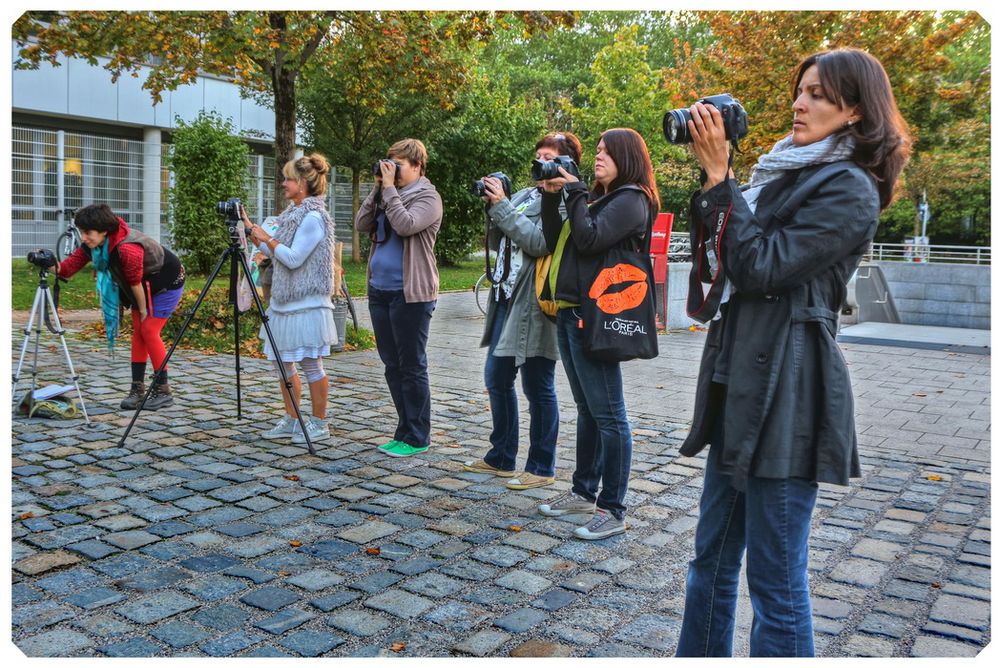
{"points": [[931, 253]]}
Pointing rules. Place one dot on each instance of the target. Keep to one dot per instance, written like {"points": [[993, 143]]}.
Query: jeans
{"points": [[401, 332], [603, 433], [770, 520], [538, 383]]}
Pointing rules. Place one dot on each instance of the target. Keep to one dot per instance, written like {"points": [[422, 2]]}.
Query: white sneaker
{"points": [[601, 525], [316, 428], [285, 427]]}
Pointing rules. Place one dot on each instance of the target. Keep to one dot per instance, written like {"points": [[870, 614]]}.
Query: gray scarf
{"points": [[786, 156], [315, 275]]}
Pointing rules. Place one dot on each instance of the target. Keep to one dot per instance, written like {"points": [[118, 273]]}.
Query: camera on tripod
{"points": [[42, 258], [230, 208]]}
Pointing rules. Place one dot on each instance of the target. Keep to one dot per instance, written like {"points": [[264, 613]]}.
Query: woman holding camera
{"points": [[138, 272], [300, 311], [622, 206], [774, 397], [402, 215], [519, 336]]}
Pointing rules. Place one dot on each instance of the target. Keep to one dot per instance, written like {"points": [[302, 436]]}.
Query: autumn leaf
{"points": [[295, 543], [919, 394], [514, 528], [284, 573], [398, 646], [935, 478], [373, 551], [293, 478], [26, 516]]}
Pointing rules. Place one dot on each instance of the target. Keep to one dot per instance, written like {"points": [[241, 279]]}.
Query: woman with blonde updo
{"points": [[300, 311]]}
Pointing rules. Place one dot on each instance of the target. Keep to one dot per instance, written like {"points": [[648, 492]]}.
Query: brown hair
{"points": [[311, 170], [411, 150], [852, 77], [566, 143], [627, 148], [97, 217]]}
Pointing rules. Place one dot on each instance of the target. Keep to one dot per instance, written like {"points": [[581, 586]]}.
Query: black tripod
{"points": [[236, 259]]}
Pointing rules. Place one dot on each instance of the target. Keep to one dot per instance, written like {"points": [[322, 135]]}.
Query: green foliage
{"points": [[488, 132], [209, 165]]}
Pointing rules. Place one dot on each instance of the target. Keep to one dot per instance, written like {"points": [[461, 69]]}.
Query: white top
{"points": [[310, 234]]}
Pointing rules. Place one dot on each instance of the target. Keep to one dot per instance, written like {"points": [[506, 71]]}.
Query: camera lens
{"points": [[675, 128]]}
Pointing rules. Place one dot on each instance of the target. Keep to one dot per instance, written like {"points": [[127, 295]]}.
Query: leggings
{"points": [[146, 340], [312, 367]]}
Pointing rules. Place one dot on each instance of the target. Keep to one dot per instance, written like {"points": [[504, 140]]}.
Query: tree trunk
{"points": [[355, 205], [284, 130]]}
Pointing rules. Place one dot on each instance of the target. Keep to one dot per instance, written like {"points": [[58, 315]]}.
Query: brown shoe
{"points": [[160, 397], [134, 396], [529, 481], [481, 466]]}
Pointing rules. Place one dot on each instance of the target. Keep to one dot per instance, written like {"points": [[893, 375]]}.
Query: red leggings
{"points": [[146, 341]]}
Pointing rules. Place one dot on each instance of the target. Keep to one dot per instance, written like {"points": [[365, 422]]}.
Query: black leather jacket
{"points": [[787, 404]]}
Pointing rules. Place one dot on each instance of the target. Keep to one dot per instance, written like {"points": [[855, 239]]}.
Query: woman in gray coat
{"points": [[519, 336], [774, 396]]}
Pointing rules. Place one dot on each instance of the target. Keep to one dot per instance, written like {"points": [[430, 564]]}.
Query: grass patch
{"points": [[462, 276]]}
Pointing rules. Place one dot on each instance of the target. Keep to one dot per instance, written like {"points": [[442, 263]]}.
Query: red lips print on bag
{"points": [[619, 300]]}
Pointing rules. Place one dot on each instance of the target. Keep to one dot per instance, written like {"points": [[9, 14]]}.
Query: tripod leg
{"points": [[24, 349], [54, 312], [233, 282], [277, 357], [157, 375]]}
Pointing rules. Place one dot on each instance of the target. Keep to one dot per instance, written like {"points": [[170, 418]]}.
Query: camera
{"points": [[479, 188], [734, 118], [542, 170], [377, 171], [42, 258], [230, 208]]}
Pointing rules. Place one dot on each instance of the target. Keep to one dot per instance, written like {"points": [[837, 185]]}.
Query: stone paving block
{"points": [[555, 599], [224, 617], [499, 555], [285, 620], [256, 546], [931, 646], [156, 607], [156, 579], [884, 625], [121, 522], [861, 572], [123, 565], [230, 644], [330, 550], [209, 563], [311, 643], [399, 603], [521, 620], [270, 598], [376, 582], [213, 587], [879, 550], [334, 601], [434, 585], [584, 581], [482, 643], [179, 634], [41, 614], [91, 599], [316, 580], [524, 582], [44, 562], [455, 616], [961, 611], [92, 549], [368, 532], [655, 632], [359, 623], [69, 581], [54, 643]]}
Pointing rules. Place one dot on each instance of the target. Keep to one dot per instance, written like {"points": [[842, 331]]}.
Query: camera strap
{"points": [[503, 255]]}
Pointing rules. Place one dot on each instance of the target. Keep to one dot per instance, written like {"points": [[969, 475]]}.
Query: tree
{"points": [[209, 165]]}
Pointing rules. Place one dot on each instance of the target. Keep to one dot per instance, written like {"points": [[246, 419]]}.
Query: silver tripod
{"points": [[43, 309]]}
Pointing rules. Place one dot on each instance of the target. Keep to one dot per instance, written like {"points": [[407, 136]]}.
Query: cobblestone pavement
{"points": [[198, 539]]}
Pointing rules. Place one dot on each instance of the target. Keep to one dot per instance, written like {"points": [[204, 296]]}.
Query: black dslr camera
{"points": [[230, 208], [42, 258], [377, 171], [734, 117], [542, 170], [479, 188]]}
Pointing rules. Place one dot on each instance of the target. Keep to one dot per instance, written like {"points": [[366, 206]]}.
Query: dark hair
{"points": [[97, 217], [566, 143], [627, 148], [852, 77]]}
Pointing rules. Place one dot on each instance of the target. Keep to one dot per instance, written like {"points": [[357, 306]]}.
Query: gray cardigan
{"points": [[526, 332]]}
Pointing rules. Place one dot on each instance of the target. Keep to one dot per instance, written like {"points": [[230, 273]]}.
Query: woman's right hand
{"points": [[709, 143], [245, 218]]}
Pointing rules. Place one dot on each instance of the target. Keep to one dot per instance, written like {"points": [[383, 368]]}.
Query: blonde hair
{"points": [[411, 150], [311, 170]]}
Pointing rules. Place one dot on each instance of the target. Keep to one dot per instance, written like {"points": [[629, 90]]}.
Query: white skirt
{"points": [[299, 334]]}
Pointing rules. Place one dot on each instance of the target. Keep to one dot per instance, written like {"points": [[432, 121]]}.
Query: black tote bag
{"points": [[617, 312]]}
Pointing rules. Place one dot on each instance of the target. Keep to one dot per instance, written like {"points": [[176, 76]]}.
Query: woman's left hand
{"points": [[709, 143]]}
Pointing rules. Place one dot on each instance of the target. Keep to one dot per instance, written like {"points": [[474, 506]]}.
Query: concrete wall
{"points": [[939, 294]]}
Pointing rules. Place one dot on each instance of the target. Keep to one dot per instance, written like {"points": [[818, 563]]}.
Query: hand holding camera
{"points": [[710, 143], [493, 188], [386, 171]]}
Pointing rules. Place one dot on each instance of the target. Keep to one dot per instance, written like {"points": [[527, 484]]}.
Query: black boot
{"points": [[131, 402], [160, 397]]}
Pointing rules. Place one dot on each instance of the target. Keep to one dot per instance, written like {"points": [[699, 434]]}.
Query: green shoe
{"points": [[389, 445], [400, 449]]}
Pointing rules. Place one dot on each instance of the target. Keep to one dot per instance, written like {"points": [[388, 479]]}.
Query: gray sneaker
{"points": [[601, 525], [286, 427], [566, 504], [317, 429]]}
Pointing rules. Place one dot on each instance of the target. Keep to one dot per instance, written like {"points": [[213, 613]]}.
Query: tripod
{"points": [[44, 308], [236, 259]]}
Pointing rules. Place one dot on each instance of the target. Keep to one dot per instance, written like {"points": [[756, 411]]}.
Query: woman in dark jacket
{"points": [[135, 271], [624, 204], [773, 396]]}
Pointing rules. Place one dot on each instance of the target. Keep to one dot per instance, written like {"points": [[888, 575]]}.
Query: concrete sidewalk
{"points": [[198, 539]]}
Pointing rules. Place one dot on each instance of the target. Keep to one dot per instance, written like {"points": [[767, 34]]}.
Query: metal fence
{"points": [[929, 253], [53, 171]]}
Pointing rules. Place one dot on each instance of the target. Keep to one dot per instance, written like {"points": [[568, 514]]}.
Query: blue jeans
{"points": [[401, 332], [603, 433], [538, 383], [770, 520]]}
